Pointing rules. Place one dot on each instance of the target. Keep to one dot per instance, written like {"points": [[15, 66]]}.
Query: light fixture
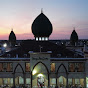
{"points": [[34, 72], [40, 75], [4, 45]]}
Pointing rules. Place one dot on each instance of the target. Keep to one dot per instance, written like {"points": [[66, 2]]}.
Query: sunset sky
{"points": [[63, 14]]}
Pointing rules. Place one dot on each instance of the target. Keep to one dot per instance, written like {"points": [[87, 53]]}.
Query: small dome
{"points": [[12, 36], [41, 27]]}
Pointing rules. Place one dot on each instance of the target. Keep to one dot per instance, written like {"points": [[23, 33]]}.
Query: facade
{"points": [[40, 63], [40, 68]]}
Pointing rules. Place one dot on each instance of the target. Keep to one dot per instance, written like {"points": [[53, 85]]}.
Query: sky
{"points": [[63, 14]]}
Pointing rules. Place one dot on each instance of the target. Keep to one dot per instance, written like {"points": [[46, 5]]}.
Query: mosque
{"points": [[41, 63]]}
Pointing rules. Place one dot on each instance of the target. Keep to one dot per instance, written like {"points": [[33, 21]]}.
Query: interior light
{"points": [[42, 38], [40, 75], [36, 38], [46, 38], [34, 72], [39, 38]]}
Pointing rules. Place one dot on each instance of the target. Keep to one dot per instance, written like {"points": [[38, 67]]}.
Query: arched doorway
{"points": [[62, 81], [19, 81], [40, 75], [19, 76], [62, 76]]}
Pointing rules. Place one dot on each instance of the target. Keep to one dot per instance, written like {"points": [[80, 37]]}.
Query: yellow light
{"points": [[40, 75], [34, 72]]}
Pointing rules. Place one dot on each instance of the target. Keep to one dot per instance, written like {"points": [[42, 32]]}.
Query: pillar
{"points": [[13, 79], [24, 79], [31, 79], [48, 81], [67, 81], [85, 82], [56, 78]]}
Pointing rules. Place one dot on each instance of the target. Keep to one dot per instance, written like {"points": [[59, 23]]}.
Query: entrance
{"points": [[19, 81], [61, 82], [40, 76]]}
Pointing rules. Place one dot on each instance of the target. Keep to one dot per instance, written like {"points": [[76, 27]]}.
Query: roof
{"points": [[32, 45]]}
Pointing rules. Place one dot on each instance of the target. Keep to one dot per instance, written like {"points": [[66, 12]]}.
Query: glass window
{"points": [[9, 67], [39, 38], [1, 67], [76, 67], [52, 67], [21, 80], [46, 38], [42, 38], [71, 67], [36, 38], [80, 67], [28, 81], [53, 81], [27, 68], [5, 80], [4, 66]]}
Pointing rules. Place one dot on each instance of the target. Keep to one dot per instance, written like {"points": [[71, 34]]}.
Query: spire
{"points": [[12, 29], [41, 10], [73, 28]]}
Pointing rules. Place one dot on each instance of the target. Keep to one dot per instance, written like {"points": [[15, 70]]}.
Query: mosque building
{"points": [[40, 62]]}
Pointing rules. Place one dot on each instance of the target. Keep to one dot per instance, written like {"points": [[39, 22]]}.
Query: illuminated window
{"points": [[80, 67], [4, 66], [71, 67], [27, 68], [36, 38], [46, 38], [9, 67], [39, 38], [5, 80], [76, 67], [28, 81], [42, 38], [1, 67], [52, 67], [21, 80]]}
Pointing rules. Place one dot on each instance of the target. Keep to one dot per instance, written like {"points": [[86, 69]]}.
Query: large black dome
{"points": [[41, 27]]}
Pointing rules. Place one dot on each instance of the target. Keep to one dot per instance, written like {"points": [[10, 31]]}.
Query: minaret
{"points": [[12, 38]]}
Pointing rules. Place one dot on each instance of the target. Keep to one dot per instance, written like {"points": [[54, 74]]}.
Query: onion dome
{"points": [[74, 37], [12, 38], [41, 27]]}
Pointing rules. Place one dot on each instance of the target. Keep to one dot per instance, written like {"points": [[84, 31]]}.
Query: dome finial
{"points": [[41, 10], [12, 29], [74, 28]]}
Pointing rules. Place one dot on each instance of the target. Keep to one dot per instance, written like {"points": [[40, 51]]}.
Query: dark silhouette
{"points": [[74, 38]]}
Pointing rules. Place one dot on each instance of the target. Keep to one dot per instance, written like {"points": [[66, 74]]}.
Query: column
{"points": [[85, 82], [67, 81], [24, 79], [48, 81], [13, 79], [56, 78], [31, 79]]}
